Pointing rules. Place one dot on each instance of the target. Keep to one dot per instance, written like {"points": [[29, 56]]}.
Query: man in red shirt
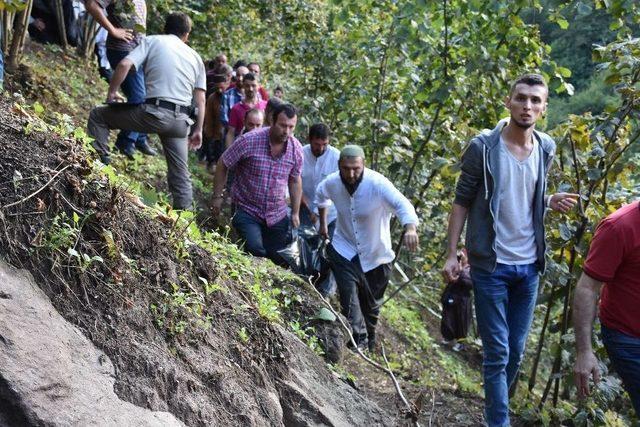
{"points": [[254, 68], [613, 261], [239, 111]]}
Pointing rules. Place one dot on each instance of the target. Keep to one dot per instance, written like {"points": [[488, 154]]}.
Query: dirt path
{"points": [[442, 405]]}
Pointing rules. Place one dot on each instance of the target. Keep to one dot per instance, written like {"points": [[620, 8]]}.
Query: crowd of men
{"points": [[274, 181], [275, 184]]}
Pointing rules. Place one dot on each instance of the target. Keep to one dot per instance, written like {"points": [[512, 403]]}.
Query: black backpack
{"points": [[457, 312]]}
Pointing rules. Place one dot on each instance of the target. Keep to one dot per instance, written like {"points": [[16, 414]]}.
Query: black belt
{"points": [[168, 105]]}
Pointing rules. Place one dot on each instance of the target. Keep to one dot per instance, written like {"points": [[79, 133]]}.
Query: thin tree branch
{"points": [[418, 154], [412, 411], [37, 191], [363, 356]]}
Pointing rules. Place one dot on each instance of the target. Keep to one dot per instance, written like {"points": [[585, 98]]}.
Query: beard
{"points": [[521, 125]]}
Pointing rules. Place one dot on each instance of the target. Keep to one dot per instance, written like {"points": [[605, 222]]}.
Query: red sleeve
{"points": [[235, 119], [606, 252], [263, 93]]}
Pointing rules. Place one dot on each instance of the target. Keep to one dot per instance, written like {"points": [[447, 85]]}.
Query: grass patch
{"points": [[447, 371]]}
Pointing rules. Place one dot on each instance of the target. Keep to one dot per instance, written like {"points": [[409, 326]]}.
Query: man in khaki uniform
{"points": [[174, 75]]}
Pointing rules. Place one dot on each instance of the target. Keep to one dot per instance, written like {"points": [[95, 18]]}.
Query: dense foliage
{"points": [[412, 81]]}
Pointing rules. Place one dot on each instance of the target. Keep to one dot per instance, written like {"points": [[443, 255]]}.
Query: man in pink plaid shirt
{"points": [[265, 162]]}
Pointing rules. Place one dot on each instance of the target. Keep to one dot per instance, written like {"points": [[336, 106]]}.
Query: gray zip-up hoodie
{"points": [[480, 180]]}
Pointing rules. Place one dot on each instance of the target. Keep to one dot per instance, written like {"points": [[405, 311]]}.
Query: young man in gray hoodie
{"points": [[501, 196]]}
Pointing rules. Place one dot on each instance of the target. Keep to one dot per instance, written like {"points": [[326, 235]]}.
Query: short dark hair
{"points": [[279, 88], [219, 78], [178, 24], [273, 102], [253, 63], [319, 130], [250, 76], [288, 109], [530, 79], [239, 63]]}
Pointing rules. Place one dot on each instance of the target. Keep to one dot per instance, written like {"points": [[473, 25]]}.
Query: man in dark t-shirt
{"points": [[613, 266]]}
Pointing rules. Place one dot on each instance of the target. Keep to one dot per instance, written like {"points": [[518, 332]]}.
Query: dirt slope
{"points": [[129, 282]]}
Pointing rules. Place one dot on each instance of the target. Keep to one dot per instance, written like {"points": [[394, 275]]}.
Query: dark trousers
{"points": [[361, 294], [134, 90], [211, 150], [624, 352], [261, 240]]}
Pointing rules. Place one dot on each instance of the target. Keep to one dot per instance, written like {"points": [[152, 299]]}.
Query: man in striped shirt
{"points": [[266, 162]]}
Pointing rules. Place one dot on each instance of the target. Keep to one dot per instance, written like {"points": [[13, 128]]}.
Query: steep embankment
{"points": [[155, 301], [189, 324]]}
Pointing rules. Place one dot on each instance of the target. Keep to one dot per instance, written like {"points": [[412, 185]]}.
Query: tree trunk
{"points": [[20, 24], [62, 28], [89, 33], [7, 20]]}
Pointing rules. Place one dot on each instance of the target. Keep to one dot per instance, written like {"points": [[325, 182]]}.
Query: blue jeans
{"points": [[261, 240], [504, 301], [624, 352], [134, 90]]}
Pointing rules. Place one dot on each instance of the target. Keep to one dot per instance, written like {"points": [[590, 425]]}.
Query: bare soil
{"points": [[211, 378]]}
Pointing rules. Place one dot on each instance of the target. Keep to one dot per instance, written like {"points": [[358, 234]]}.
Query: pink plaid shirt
{"points": [[260, 180]]}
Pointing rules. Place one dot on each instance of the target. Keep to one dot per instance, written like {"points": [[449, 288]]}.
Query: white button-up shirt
{"points": [[314, 170], [362, 226]]}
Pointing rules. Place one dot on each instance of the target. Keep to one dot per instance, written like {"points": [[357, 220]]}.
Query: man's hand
{"points": [[324, 231], [295, 220], [313, 217], [586, 364], [216, 206], [451, 270], [411, 238], [195, 140], [114, 97], [563, 202], [122, 34]]}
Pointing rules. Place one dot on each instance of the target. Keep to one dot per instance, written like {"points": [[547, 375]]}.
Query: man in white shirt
{"points": [[319, 161], [360, 253], [174, 75]]}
